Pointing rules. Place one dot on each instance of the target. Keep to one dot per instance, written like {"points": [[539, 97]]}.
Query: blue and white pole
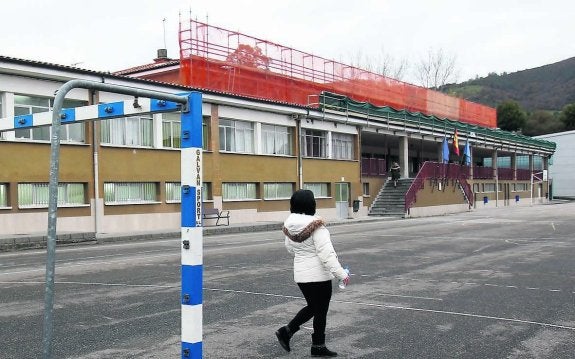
{"points": [[192, 240]]}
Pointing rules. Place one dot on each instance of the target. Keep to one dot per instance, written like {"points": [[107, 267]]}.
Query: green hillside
{"points": [[548, 87]]}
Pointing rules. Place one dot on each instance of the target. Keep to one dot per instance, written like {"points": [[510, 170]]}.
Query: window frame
{"points": [[310, 139], [342, 146], [45, 132], [39, 194], [109, 139], [280, 134], [251, 187], [274, 187], [151, 192], [310, 186], [5, 196], [175, 129], [228, 129]]}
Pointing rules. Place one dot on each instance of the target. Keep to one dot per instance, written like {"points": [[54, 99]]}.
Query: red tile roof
{"points": [[147, 67]]}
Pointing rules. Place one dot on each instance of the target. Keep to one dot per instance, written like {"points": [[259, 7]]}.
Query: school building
{"points": [[261, 141]]}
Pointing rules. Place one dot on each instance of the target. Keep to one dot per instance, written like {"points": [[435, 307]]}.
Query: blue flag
{"points": [[445, 151], [467, 154]]}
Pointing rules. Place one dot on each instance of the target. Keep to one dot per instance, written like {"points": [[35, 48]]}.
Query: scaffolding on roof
{"points": [[218, 59]]}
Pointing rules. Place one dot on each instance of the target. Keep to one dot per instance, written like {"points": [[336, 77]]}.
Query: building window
{"points": [[236, 136], [278, 190], [171, 130], [3, 195], [489, 187], [128, 131], [342, 146], [277, 140], [173, 192], [476, 188], [239, 191], [520, 187], [206, 133], [314, 143], [365, 187], [36, 195], [130, 193], [27, 105], [319, 189]]}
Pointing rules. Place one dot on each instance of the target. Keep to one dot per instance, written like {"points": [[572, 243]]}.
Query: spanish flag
{"points": [[456, 143]]}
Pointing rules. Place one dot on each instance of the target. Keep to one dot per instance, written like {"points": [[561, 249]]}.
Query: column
{"points": [[404, 157], [494, 163], [514, 165]]}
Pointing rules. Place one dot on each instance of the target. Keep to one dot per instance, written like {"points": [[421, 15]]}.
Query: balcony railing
{"points": [[482, 172], [523, 175], [439, 171], [373, 167], [505, 173]]}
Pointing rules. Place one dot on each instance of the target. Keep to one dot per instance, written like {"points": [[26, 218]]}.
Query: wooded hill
{"points": [[549, 87]]}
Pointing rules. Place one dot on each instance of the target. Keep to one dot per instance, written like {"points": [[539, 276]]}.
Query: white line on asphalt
{"points": [[407, 296], [92, 263], [469, 315], [96, 283], [458, 314]]}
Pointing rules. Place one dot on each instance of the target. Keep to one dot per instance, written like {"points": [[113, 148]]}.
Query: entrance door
{"points": [[342, 199]]}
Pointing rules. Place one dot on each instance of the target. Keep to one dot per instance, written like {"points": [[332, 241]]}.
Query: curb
{"points": [[24, 242]]}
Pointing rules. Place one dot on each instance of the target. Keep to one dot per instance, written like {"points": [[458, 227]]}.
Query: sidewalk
{"points": [[38, 240]]}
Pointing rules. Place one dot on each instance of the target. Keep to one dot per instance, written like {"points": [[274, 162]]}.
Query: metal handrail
{"points": [[439, 171]]}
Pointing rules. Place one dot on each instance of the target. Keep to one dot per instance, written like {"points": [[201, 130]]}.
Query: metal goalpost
{"points": [[145, 102]]}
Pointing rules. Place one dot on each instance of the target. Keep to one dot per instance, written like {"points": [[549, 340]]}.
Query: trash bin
{"points": [[356, 205], [517, 198], [485, 199]]}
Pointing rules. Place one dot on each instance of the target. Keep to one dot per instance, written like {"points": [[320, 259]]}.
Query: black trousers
{"points": [[317, 295]]}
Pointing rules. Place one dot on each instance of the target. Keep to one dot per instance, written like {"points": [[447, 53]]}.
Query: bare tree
{"points": [[436, 69], [383, 64]]}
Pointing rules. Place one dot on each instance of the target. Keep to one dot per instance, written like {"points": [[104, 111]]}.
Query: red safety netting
{"points": [[223, 60]]}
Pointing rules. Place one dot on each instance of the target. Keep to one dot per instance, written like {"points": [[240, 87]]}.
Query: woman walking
{"points": [[315, 265]]}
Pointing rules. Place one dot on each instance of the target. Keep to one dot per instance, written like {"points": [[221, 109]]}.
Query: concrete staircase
{"points": [[390, 201]]}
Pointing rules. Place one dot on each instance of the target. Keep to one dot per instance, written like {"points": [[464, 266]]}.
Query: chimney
{"points": [[162, 56]]}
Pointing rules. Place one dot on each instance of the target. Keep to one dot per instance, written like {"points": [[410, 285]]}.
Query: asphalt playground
{"points": [[492, 283]]}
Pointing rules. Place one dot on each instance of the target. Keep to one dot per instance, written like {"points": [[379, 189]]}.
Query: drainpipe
{"points": [[95, 148]]}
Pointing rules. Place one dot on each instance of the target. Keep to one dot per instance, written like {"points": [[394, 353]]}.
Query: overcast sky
{"points": [[484, 35]]}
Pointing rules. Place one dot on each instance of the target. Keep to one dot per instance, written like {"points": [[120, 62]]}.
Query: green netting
{"points": [[338, 102]]}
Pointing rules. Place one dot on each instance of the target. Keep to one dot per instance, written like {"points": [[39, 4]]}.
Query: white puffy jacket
{"points": [[309, 242]]}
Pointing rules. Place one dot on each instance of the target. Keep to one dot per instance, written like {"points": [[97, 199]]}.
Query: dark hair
{"points": [[303, 202]]}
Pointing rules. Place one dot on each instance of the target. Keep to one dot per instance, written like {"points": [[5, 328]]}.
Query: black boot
{"points": [[322, 351], [284, 334], [318, 348]]}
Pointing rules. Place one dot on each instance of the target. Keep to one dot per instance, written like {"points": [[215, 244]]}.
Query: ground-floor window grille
{"points": [[36, 195], [3, 195], [130, 192], [319, 189], [239, 191], [278, 190], [489, 187], [520, 187]]}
